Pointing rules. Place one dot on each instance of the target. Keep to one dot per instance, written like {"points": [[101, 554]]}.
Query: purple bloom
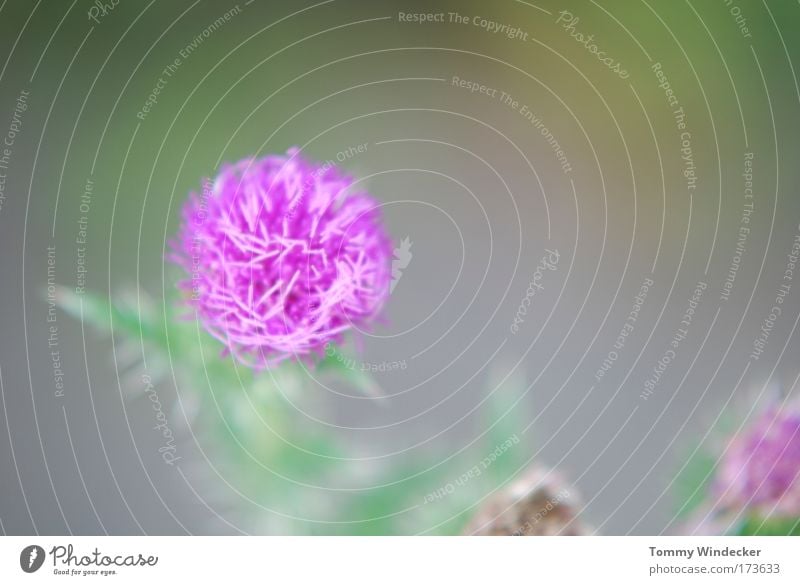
{"points": [[282, 258], [761, 469]]}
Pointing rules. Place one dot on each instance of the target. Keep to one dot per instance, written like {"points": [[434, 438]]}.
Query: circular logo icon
{"points": [[31, 558]]}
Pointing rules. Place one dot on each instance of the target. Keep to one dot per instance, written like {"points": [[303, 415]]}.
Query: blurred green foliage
{"points": [[248, 419]]}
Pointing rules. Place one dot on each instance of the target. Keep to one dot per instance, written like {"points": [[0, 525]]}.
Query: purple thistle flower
{"points": [[282, 258], [761, 469]]}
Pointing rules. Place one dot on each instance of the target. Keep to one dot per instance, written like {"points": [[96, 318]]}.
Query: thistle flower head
{"points": [[282, 258], [761, 470]]}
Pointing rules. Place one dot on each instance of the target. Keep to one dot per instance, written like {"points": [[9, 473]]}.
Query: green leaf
{"points": [[691, 485], [125, 316], [756, 526], [505, 420]]}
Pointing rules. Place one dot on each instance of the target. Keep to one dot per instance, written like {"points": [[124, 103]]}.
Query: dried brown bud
{"points": [[537, 504]]}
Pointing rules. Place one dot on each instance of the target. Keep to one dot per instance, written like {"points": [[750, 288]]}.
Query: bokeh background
{"points": [[478, 189]]}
